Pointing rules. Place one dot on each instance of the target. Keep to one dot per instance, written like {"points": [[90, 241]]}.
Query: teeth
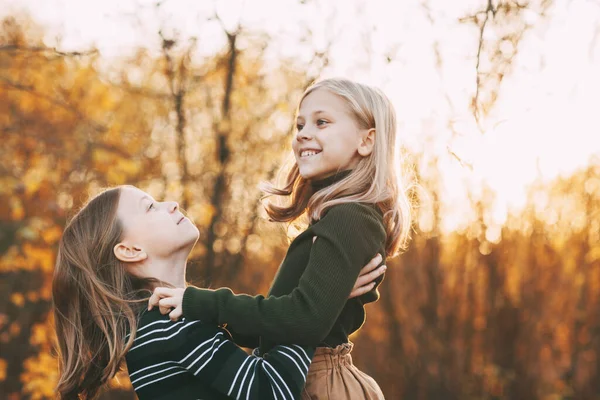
{"points": [[308, 153]]}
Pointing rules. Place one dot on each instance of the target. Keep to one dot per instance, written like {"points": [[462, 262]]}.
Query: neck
{"points": [[170, 270], [171, 273]]}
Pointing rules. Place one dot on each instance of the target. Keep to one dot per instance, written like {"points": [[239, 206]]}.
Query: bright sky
{"points": [[544, 120]]}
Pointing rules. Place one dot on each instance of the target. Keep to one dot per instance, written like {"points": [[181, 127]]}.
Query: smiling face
{"points": [[328, 138], [152, 229]]}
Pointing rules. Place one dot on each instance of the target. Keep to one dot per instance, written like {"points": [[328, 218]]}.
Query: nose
{"points": [[173, 206], [303, 134]]}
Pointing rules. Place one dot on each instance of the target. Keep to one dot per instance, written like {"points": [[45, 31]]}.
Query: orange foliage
{"points": [[470, 315]]}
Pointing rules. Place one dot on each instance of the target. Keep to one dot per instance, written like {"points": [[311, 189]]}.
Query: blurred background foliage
{"points": [[485, 310]]}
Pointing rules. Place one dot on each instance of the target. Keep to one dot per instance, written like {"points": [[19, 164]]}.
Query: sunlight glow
{"points": [[544, 123]]}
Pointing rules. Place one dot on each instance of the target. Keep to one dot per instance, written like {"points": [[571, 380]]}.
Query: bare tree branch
{"points": [[142, 91], [178, 78], [8, 83], [222, 153], [42, 49], [489, 10], [503, 14]]}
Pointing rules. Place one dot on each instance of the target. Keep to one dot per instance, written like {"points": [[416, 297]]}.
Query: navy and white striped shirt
{"points": [[191, 360]]}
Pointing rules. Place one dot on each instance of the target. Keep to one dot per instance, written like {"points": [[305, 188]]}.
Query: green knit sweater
{"points": [[308, 300]]}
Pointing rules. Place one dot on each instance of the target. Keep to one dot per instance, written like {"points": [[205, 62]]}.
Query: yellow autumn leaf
{"points": [[115, 177], [40, 334], [52, 234], [17, 299], [33, 180], [14, 329], [100, 156], [46, 291], [129, 167], [40, 376], [201, 213], [33, 296], [3, 365], [17, 212], [42, 258], [6, 185]]}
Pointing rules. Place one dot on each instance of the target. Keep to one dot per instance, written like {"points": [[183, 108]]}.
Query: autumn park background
{"points": [[498, 295]]}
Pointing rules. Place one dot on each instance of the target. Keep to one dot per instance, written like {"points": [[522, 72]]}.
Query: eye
{"points": [[299, 127], [321, 122], [151, 206]]}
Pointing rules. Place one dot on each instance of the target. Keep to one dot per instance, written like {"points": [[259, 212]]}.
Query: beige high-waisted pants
{"points": [[333, 376]]}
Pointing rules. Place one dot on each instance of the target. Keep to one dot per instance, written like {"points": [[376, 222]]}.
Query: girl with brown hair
{"points": [[113, 252]]}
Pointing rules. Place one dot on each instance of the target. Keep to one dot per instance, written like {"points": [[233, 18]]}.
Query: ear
{"points": [[367, 143], [129, 253]]}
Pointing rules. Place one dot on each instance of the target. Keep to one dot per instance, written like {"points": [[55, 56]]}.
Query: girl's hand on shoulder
{"points": [[367, 276], [168, 300]]}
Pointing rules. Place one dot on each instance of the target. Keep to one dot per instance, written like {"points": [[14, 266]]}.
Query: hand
{"points": [[367, 276], [169, 301]]}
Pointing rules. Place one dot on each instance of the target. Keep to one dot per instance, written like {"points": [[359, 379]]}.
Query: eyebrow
{"points": [[314, 113]]}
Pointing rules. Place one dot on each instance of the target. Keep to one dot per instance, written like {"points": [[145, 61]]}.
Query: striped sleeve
{"points": [[209, 354]]}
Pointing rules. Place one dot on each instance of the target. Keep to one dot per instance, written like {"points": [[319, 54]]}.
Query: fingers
{"points": [[366, 282], [375, 261], [371, 276], [158, 294], [170, 306], [165, 310], [176, 314], [169, 302], [362, 290], [368, 274]]}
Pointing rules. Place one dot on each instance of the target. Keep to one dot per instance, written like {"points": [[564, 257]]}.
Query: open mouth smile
{"points": [[309, 153]]}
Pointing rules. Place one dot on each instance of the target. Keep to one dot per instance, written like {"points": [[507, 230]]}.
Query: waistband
{"points": [[327, 357]]}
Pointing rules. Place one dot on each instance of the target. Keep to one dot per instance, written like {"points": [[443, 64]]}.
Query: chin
{"points": [[309, 173], [195, 235], [305, 175], [190, 237], [189, 243]]}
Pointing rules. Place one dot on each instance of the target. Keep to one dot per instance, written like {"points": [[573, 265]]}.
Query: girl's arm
{"points": [[247, 341], [168, 349], [347, 237]]}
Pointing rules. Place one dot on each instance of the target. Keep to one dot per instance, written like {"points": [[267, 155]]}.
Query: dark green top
{"points": [[308, 300]]}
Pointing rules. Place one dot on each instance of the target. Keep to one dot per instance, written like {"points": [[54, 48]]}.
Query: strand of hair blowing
{"points": [[95, 301]]}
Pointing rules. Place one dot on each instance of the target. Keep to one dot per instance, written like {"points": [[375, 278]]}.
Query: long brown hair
{"points": [[375, 180], [95, 301]]}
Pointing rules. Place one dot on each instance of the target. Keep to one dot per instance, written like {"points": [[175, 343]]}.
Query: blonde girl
{"points": [[345, 179]]}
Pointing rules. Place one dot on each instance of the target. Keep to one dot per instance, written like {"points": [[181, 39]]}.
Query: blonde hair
{"points": [[374, 180], [96, 302]]}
